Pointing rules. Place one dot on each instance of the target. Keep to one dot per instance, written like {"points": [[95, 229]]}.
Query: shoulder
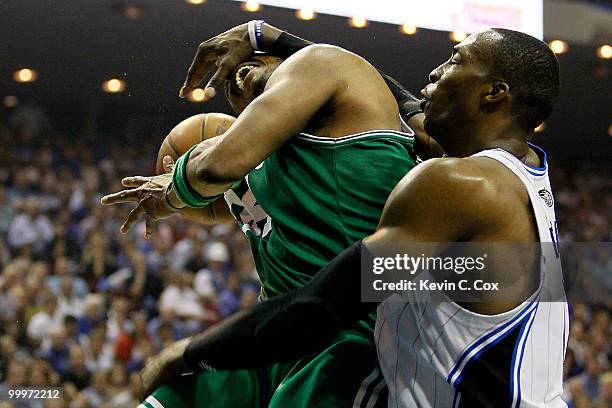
{"points": [[318, 58], [324, 53], [450, 176], [447, 190]]}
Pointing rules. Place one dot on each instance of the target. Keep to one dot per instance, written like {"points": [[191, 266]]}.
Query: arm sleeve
{"points": [[287, 326], [409, 105], [288, 44]]}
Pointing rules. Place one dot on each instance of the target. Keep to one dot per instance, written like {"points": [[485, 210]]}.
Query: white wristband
{"points": [[252, 38]]}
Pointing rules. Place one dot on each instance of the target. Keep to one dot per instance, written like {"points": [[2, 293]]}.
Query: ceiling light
{"points": [[458, 35], [305, 14], [251, 5], [558, 46], [408, 29], [358, 22], [25, 75], [113, 86]]}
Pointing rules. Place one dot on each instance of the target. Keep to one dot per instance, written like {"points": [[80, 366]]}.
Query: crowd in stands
{"points": [[82, 306]]}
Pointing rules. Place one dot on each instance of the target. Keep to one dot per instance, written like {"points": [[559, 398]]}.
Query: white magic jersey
{"points": [[438, 354]]}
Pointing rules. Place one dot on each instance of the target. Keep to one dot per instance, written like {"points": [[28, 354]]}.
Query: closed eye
{"points": [[455, 57]]}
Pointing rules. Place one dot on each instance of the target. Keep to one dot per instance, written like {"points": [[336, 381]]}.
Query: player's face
{"points": [[249, 79], [453, 98]]}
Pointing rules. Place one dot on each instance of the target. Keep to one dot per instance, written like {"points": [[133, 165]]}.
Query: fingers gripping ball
{"points": [[190, 131]]}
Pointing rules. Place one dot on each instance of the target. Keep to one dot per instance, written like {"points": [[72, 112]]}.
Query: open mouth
{"points": [[240, 75]]}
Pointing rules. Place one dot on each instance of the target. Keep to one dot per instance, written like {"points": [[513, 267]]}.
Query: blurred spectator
{"points": [[61, 270], [7, 212], [98, 391], [99, 353], [93, 313], [57, 352], [229, 299], [42, 323], [30, 228], [16, 377], [180, 297], [83, 306], [77, 372]]}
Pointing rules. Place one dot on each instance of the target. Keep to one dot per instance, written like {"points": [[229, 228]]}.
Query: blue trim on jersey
{"points": [[533, 173], [487, 347], [526, 324], [484, 338], [518, 400], [540, 170], [513, 359]]}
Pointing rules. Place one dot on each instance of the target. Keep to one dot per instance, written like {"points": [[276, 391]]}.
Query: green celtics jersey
{"points": [[313, 198]]}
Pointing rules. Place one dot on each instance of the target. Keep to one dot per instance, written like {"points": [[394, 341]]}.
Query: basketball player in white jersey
{"points": [[492, 186]]}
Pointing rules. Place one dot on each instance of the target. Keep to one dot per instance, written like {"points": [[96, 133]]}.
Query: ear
{"points": [[497, 92]]}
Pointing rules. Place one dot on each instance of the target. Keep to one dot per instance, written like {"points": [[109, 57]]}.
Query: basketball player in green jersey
{"points": [[308, 164]]}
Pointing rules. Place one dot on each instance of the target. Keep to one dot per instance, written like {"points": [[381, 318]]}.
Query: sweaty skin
{"points": [[451, 199], [287, 105], [472, 199], [456, 198], [319, 89]]}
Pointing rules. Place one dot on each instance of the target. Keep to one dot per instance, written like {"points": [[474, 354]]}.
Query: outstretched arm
{"points": [[306, 320], [441, 210]]}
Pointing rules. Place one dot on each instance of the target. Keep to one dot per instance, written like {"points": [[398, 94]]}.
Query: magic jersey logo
{"points": [[547, 197]]}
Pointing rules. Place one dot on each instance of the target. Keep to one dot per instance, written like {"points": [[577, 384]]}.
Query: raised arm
{"points": [[227, 50], [284, 108]]}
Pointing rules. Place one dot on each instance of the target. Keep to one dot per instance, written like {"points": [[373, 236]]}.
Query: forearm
{"points": [[259, 131], [281, 43], [283, 109], [216, 213], [305, 320]]}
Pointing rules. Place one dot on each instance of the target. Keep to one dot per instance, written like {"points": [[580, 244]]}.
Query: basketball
{"points": [[190, 131]]}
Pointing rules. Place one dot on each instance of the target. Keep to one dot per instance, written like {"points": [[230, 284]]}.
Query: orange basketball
{"points": [[191, 131]]}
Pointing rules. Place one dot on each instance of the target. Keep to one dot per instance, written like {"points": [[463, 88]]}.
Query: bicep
{"points": [[295, 92]]}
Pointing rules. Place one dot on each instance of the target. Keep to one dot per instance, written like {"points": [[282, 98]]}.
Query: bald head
{"points": [[530, 69]]}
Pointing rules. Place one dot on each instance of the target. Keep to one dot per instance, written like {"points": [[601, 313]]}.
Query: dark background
{"points": [[76, 45]]}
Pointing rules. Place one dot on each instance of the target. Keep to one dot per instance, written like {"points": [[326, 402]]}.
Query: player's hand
{"points": [[150, 194], [425, 146], [159, 369], [223, 52]]}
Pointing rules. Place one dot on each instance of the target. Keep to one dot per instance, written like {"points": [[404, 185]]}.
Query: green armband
{"points": [[183, 190]]}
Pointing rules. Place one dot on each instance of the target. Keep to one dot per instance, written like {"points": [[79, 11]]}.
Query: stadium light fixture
{"points": [[408, 29], [197, 95], [604, 52], [358, 22], [25, 75], [458, 35], [558, 46], [305, 14], [113, 85], [251, 6]]}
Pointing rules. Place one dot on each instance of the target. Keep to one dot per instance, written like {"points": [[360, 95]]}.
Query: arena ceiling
{"points": [[76, 45]]}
